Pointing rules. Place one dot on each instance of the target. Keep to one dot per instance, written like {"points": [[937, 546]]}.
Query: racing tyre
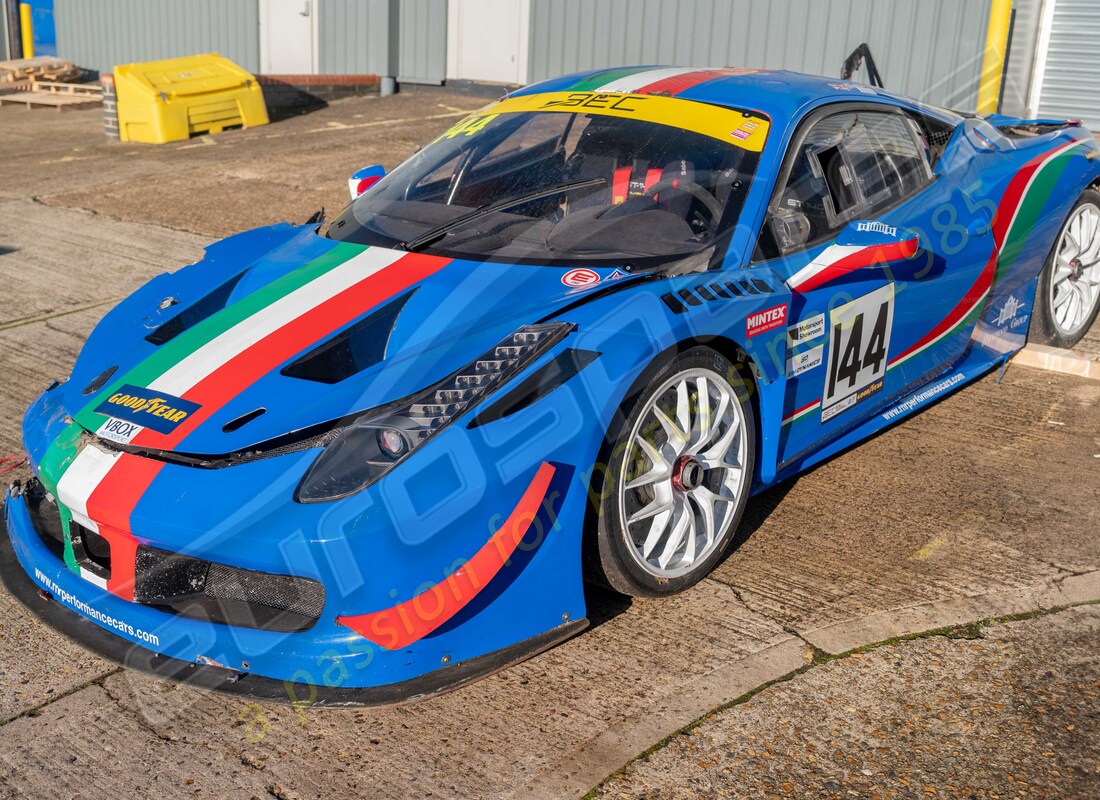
{"points": [[679, 462], [1068, 294]]}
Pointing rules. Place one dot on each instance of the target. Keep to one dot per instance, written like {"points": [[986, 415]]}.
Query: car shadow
{"points": [[604, 604]]}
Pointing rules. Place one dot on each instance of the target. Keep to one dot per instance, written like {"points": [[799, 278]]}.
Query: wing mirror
{"points": [[364, 178]]}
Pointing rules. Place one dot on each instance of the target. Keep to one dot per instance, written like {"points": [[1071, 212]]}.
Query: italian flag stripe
{"points": [[634, 83], [233, 349], [1003, 221], [601, 79], [672, 85], [1022, 202], [191, 340]]}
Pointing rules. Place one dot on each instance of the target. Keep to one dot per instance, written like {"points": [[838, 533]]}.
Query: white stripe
{"points": [[91, 577], [631, 83], [829, 256], [217, 352], [925, 346], [78, 482], [800, 414]]}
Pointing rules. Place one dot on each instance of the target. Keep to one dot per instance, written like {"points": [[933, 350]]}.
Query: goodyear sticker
{"points": [[161, 412]]}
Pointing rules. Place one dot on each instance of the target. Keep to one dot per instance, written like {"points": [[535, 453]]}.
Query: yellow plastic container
{"points": [[166, 101]]}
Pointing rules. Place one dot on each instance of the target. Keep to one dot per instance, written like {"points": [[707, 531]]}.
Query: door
{"points": [[487, 40], [853, 228], [288, 36]]}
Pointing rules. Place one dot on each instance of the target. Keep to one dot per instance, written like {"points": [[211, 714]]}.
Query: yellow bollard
{"points": [[27, 29], [996, 43]]}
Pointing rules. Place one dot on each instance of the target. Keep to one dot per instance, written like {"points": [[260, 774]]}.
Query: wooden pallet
{"points": [[43, 68], [62, 96]]}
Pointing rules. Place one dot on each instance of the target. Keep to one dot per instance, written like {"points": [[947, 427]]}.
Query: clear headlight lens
{"points": [[381, 439]]}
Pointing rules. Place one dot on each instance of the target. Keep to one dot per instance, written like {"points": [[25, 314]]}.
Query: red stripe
{"points": [[114, 499], [681, 83], [1002, 218], [399, 626], [798, 411], [868, 256]]}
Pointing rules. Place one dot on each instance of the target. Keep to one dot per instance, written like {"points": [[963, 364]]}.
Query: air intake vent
{"points": [[679, 301], [352, 350], [195, 313]]}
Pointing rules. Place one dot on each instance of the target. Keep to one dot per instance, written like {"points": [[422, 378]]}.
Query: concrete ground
{"points": [[1009, 710], [982, 505]]}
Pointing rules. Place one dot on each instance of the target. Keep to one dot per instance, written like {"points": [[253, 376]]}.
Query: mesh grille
{"points": [[200, 589], [280, 592]]}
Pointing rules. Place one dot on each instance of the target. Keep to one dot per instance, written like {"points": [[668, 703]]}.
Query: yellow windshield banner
{"points": [[725, 124]]}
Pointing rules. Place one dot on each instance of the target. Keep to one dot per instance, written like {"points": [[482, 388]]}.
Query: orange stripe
{"points": [[399, 626]]}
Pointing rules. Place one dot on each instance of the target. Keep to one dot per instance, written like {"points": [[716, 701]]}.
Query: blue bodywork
{"points": [[408, 531]]}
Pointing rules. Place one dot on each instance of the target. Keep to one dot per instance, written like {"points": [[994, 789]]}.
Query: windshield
{"points": [[539, 179]]}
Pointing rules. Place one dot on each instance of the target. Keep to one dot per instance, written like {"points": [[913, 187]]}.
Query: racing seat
{"points": [[611, 154]]}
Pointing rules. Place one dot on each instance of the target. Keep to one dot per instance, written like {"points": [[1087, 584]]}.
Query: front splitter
{"points": [[256, 687]]}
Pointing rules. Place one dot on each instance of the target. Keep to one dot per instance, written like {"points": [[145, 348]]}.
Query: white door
{"points": [[288, 33], [487, 40]]}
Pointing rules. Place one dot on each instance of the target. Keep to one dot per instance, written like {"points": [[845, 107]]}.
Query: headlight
{"points": [[381, 439]]}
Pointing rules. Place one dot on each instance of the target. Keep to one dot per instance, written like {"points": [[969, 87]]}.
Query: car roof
{"points": [[779, 94]]}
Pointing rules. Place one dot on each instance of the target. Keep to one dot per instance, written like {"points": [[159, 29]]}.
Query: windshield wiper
{"points": [[438, 232]]}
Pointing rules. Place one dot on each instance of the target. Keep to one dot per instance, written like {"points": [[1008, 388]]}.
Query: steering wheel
{"points": [[709, 201]]}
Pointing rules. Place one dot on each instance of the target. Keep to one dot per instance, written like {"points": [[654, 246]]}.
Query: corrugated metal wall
{"points": [[98, 34], [1071, 79], [5, 35], [422, 46], [354, 37], [931, 49]]}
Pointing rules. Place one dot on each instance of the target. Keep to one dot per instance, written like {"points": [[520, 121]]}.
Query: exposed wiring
{"points": [[9, 463]]}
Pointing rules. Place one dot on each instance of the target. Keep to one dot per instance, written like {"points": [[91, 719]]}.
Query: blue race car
{"points": [[370, 460]]}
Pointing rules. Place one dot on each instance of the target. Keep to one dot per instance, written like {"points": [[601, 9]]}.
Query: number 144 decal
{"points": [[859, 344]]}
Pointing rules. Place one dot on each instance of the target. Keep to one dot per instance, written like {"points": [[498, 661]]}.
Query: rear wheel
{"points": [[1068, 295], [677, 475]]}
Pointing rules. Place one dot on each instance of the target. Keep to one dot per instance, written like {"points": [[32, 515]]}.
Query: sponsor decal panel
{"points": [[93, 613], [859, 345], [877, 227], [161, 412], [767, 320], [119, 430], [806, 330], [580, 277], [924, 397], [1009, 316], [805, 361]]}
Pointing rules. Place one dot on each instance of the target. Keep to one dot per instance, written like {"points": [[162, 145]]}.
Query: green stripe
{"points": [[608, 75], [65, 447], [1031, 208], [55, 461], [171, 353]]}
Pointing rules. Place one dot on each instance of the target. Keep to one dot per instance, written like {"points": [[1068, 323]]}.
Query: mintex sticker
{"points": [[806, 330], [766, 320], [161, 412], [804, 361]]}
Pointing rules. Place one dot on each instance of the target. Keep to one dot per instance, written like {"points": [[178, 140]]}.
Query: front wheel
{"points": [[1068, 294], [677, 475]]}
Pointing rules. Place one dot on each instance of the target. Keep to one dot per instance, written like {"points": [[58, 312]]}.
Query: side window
{"points": [[848, 165]]}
